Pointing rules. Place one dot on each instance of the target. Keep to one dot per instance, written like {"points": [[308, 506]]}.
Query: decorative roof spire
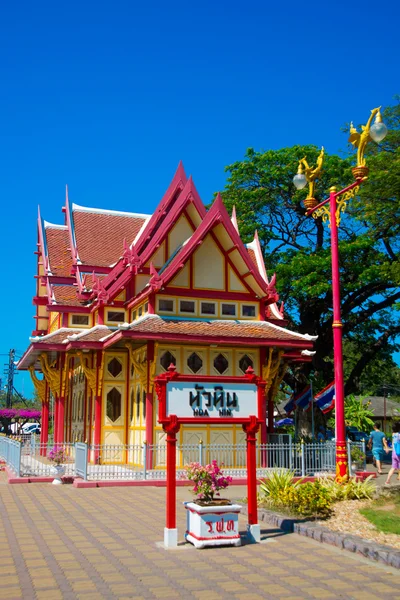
{"points": [[180, 172], [155, 279], [234, 219], [130, 257]]}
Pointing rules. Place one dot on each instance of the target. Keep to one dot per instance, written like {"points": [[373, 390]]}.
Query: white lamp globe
{"points": [[299, 181], [378, 131]]}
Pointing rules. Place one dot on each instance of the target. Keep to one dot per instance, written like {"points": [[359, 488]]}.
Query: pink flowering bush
{"points": [[57, 455], [207, 480]]}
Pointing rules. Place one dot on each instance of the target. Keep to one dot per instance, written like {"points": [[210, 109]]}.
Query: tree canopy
{"points": [[297, 248]]}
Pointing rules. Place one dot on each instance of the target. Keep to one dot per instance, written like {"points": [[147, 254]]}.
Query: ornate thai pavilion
{"points": [[120, 296]]}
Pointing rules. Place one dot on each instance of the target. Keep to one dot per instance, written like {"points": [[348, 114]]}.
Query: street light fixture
{"points": [[337, 204]]}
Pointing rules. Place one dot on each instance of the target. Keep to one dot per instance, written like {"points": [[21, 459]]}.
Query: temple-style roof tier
{"points": [[188, 329], [113, 247], [154, 327], [105, 276], [100, 234]]}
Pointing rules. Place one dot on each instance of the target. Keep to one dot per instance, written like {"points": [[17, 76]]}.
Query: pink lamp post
{"points": [[337, 204]]}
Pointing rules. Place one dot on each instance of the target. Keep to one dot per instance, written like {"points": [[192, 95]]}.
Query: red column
{"points": [[170, 533], [97, 426], [55, 419], [44, 430], [60, 420], [264, 423], [149, 408], [97, 411], [251, 430], [342, 470]]}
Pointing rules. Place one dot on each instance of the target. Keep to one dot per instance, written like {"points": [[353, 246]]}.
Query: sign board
{"points": [[189, 399]]}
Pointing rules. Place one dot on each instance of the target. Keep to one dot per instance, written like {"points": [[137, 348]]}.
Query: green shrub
{"points": [[273, 489], [334, 489], [306, 499], [311, 500], [359, 490], [351, 490]]}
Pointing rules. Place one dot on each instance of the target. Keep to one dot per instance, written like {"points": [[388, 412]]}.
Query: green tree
{"points": [[297, 248], [357, 413]]}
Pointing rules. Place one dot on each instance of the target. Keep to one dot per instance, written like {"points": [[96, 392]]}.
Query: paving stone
{"points": [[73, 543]]}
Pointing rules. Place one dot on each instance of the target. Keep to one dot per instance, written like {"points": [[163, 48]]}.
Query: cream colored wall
{"points": [[234, 283], [43, 324], [181, 231], [158, 258], [140, 282], [182, 280], [209, 266]]}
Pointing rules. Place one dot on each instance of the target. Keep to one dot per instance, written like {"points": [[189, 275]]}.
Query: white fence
{"points": [[139, 462]]}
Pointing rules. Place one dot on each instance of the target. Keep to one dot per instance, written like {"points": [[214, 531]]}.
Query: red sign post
{"points": [[184, 399]]}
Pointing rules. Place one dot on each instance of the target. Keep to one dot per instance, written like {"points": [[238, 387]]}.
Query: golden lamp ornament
{"points": [[377, 132], [309, 175]]}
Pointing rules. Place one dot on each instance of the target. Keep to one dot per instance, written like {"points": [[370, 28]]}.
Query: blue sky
{"points": [[108, 97]]}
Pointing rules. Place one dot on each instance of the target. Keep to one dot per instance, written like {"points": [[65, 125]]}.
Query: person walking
{"points": [[395, 453], [378, 443]]}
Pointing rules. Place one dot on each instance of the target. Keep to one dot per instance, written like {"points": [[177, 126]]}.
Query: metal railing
{"points": [[10, 451], [145, 461]]}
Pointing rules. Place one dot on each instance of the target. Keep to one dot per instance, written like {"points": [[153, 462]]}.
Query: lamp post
{"points": [[337, 204]]}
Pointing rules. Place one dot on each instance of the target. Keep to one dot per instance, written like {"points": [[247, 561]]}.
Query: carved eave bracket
{"points": [[52, 375], [131, 258], [274, 371], [40, 384], [94, 376], [155, 280], [140, 366]]}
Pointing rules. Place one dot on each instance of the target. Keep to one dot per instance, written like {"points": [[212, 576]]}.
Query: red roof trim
{"points": [[187, 195], [240, 341], [216, 214], [179, 181]]}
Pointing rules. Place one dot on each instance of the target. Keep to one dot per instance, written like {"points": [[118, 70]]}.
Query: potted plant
{"points": [[357, 459], [57, 456], [210, 521]]}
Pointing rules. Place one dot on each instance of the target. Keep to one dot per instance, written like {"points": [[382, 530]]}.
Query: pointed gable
{"points": [[168, 200], [222, 246], [208, 266], [188, 196], [172, 209], [180, 232]]}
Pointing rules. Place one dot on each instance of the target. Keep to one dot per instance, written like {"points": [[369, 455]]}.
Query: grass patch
{"points": [[387, 522], [384, 513]]}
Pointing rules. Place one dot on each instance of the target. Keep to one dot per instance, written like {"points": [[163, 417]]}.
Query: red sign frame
{"points": [[171, 425], [171, 375]]}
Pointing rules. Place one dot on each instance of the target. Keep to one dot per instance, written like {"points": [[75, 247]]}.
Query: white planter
{"points": [[58, 471], [212, 525]]}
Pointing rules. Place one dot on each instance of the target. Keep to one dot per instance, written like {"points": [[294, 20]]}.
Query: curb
{"points": [[352, 543]]}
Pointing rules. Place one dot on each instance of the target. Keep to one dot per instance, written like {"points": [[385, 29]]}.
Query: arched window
{"points": [[114, 404], [137, 405], [143, 406]]}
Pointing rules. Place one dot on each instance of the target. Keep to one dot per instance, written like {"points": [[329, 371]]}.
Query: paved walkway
{"points": [[61, 542]]}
